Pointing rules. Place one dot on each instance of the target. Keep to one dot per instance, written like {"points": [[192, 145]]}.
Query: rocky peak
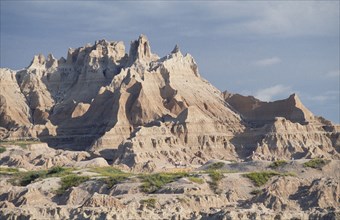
{"points": [[140, 49], [51, 61], [38, 61], [176, 49]]}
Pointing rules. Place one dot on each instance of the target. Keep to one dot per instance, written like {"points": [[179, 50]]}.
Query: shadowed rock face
{"points": [[260, 113], [145, 111]]}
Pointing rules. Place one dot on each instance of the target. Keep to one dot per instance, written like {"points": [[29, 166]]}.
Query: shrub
{"points": [[149, 203], [215, 166], [111, 181], [8, 170], [113, 175], [195, 179], [316, 163], [277, 164], [25, 178], [107, 171], [56, 170], [2, 149], [28, 177], [261, 178], [216, 177], [71, 180], [154, 182], [256, 192]]}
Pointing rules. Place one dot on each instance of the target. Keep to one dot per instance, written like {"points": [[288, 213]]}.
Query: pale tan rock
{"points": [[103, 201]]}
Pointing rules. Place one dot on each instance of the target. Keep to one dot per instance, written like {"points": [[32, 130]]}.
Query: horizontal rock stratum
{"points": [[149, 113]]}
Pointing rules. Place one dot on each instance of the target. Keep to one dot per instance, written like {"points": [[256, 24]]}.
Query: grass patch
{"points": [[196, 179], [216, 166], [261, 178], [111, 181], [154, 182], [113, 175], [216, 177], [108, 171], [70, 181], [2, 149], [29, 177], [8, 170], [316, 163], [149, 203], [277, 164], [25, 178]]}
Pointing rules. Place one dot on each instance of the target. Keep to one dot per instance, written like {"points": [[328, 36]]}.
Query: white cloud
{"points": [[277, 18], [325, 96], [333, 73], [268, 61], [320, 98], [268, 94]]}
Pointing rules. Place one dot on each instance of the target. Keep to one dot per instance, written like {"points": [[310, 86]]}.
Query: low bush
{"points": [[2, 149], [215, 166], [149, 203], [8, 170], [111, 181], [154, 182], [29, 177], [107, 171], [195, 179], [113, 175], [215, 177], [25, 178], [316, 163], [256, 192], [71, 180], [277, 164], [260, 178]]}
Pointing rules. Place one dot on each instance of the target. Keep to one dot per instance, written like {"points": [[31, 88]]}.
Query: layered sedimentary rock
{"points": [[149, 112]]}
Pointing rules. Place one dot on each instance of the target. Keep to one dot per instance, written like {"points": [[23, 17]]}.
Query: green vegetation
{"points": [[316, 163], [111, 181], [25, 178], [277, 164], [113, 175], [196, 179], [9, 170], [71, 180], [261, 178], [154, 182], [216, 177], [216, 166], [108, 171], [28, 177], [2, 149], [149, 203], [256, 192]]}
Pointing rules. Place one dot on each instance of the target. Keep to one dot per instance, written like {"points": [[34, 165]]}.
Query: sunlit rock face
{"points": [[145, 111]]}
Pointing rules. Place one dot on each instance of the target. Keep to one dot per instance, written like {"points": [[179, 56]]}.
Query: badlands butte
{"points": [[106, 134]]}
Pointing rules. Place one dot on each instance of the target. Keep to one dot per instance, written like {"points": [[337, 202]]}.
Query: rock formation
{"points": [[148, 112], [70, 127]]}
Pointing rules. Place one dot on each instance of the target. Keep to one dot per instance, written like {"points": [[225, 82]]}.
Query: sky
{"points": [[268, 49]]}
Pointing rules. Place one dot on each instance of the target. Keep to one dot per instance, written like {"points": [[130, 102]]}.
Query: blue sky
{"points": [[262, 48]]}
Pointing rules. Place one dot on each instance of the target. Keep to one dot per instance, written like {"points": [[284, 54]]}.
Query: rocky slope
{"points": [[217, 190], [151, 113]]}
